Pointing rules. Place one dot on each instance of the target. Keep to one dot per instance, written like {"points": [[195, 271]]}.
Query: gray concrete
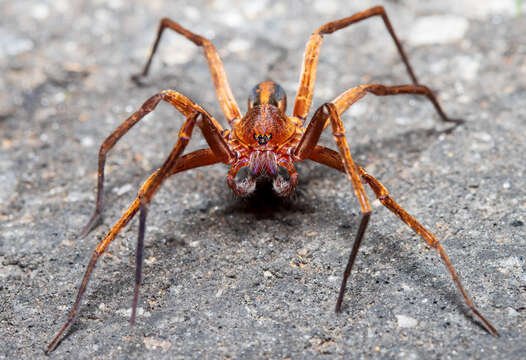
{"points": [[259, 279]]}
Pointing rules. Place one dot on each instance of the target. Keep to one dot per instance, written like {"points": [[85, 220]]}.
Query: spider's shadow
{"points": [[264, 203]]}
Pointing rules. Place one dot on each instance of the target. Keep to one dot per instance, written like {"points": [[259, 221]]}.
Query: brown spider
{"points": [[264, 141]]}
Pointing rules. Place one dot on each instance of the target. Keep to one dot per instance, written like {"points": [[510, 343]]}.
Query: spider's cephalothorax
{"points": [[263, 140]]}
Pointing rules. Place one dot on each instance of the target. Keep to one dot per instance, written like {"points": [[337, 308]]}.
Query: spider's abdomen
{"points": [[268, 92]]}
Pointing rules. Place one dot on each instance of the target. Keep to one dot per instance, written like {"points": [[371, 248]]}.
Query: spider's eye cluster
{"points": [[262, 139]]}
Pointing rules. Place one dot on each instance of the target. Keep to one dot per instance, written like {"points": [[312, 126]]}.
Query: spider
{"points": [[266, 143]]}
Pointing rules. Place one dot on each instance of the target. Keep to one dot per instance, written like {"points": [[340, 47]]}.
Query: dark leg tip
{"points": [[138, 79], [48, 349], [457, 123], [338, 308], [95, 221]]}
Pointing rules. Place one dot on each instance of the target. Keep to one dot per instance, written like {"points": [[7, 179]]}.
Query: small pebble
{"points": [[512, 312], [152, 343], [123, 189], [267, 274], [406, 321], [12, 44], [87, 141], [438, 29], [517, 223], [127, 312], [39, 11]]}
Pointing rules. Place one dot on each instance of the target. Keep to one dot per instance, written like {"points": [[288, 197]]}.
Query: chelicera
{"points": [[266, 143]]}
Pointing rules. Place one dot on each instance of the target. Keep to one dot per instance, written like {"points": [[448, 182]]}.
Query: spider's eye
{"points": [[262, 139]]}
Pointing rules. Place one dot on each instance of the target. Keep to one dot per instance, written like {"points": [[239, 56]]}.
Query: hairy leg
{"points": [[186, 107], [224, 94], [332, 159], [312, 52], [349, 97], [173, 164], [326, 113], [330, 114]]}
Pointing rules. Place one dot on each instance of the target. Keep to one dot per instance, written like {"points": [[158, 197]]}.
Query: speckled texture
{"points": [[259, 279]]}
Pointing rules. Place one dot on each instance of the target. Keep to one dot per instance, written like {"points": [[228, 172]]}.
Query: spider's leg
{"points": [[327, 157], [173, 164], [349, 97], [198, 158], [128, 215], [179, 101], [219, 151], [224, 94], [383, 195], [341, 161], [303, 150], [332, 159], [145, 196], [338, 133], [330, 113], [321, 118], [312, 51]]}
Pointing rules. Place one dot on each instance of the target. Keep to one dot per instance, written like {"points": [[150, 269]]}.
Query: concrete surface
{"points": [[227, 278]]}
